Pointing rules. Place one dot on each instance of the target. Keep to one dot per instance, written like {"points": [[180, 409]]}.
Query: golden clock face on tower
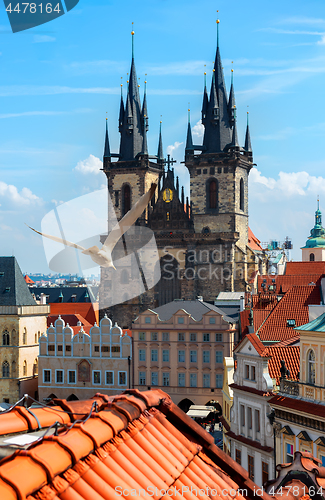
{"points": [[167, 195]]}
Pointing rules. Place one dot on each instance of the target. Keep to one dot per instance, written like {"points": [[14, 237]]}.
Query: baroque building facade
{"points": [[202, 240]]}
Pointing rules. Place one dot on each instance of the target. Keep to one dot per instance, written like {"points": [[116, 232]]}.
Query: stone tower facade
{"points": [[203, 242]]}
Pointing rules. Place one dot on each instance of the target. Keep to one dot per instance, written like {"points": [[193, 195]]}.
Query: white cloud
{"points": [[173, 147], [90, 165], [9, 193], [43, 39], [198, 130], [287, 185]]}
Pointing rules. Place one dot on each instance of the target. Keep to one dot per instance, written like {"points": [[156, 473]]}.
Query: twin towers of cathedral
{"points": [[215, 220]]}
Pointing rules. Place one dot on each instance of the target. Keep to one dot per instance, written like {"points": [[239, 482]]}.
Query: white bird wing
{"points": [[58, 240], [129, 219]]}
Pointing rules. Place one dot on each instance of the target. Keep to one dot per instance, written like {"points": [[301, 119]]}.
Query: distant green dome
{"points": [[315, 242]]}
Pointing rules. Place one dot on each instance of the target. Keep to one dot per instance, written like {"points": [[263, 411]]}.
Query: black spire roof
{"points": [[231, 102], [189, 141], [107, 151], [160, 154], [13, 288], [217, 133], [132, 129], [248, 145]]}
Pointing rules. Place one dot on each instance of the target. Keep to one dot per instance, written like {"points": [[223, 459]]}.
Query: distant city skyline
{"points": [[59, 80]]}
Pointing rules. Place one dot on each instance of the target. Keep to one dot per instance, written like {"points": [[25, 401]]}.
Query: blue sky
{"points": [[58, 81]]}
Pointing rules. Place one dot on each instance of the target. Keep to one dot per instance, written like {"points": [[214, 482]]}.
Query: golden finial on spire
{"points": [[132, 32]]}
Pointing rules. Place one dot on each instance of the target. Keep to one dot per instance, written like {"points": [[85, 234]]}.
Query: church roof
{"points": [[317, 234], [13, 287]]}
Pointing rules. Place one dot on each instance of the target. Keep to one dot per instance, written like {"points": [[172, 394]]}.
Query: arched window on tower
{"points": [[241, 195], [5, 338], [311, 367], [212, 194], [312, 257], [5, 369], [126, 198]]}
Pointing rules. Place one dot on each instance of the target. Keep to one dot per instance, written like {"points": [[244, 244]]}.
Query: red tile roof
{"points": [[252, 390], [305, 268], [70, 319], [291, 341], [135, 441], [253, 242], [294, 305], [298, 405], [284, 282], [291, 356], [259, 315], [87, 310], [28, 280]]}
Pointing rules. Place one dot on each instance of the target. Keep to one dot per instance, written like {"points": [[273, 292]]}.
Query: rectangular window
{"points": [[142, 354], [121, 378], [206, 356], [165, 379], [206, 379], [181, 337], [251, 467], [265, 472], [142, 336], [253, 372], [257, 421], [165, 336], [51, 348], [193, 380], [242, 415], [289, 448], [115, 348], [47, 376], [323, 460], [96, 348], [154, 378], [246, 371], [219, 356], [219, 380], [181, 356], [60, 348], [109, 378], [212, 321], [238, 457], [180, 321], [142, 378], [71, 377], [59, 376], [193, 356], [193, 337], [206, 337], [154, 354], [147, 319], [68, 348], [96, 377], [105, 348], [249, 418], [218, 337], [165, 355], [181, 380], [154, 336]]}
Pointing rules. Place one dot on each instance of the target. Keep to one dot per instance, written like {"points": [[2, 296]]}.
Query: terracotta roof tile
{"points": [[284, 282], [305, 268], [291, 356], [132, 441], [298, 405], [253, 242], [294, 305]]}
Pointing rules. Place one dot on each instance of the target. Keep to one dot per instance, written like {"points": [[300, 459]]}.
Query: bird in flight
{"points": [[103, 256]]}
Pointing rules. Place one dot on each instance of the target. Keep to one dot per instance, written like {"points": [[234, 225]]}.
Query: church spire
{"points": [[189, 141], [248, 145], [231, 102], [234, 141], [132, 130], [217, 134], [205, 103], [107, 151], [160, 154], [144, 108], [121, 115]]}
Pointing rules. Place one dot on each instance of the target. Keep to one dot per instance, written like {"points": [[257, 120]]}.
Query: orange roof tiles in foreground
{"points": [[305, 268], [284, 282], [138, 444], [253, 242]]}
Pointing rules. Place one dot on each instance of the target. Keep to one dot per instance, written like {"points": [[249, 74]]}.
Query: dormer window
{"points": [[291, 323]]}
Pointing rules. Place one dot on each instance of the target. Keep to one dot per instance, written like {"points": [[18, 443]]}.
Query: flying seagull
{"points": [[103, 257]]}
